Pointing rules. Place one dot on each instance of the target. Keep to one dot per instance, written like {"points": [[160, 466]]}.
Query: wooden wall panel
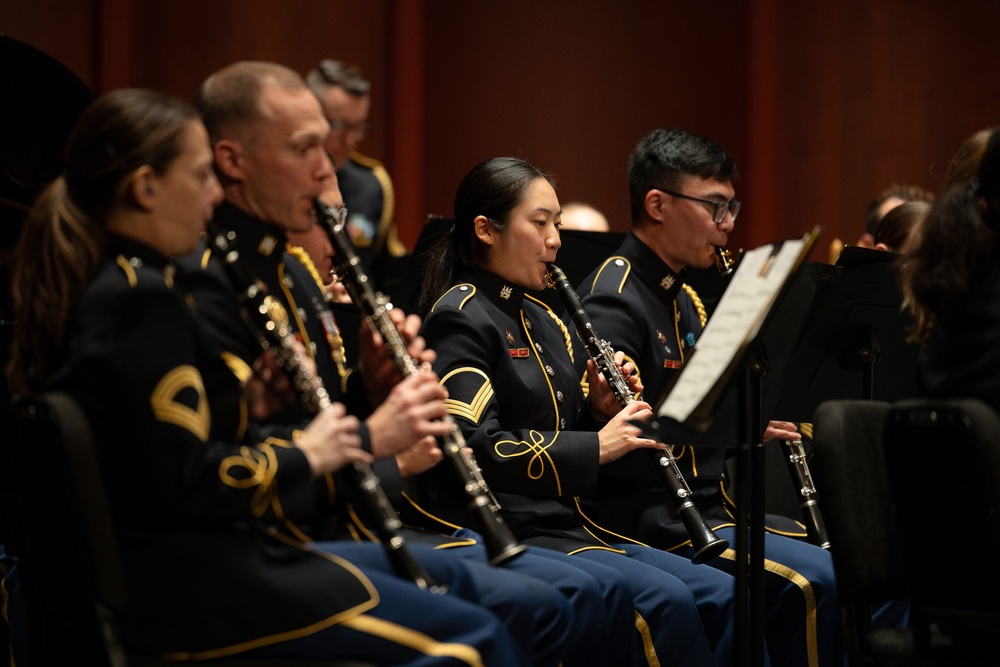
{"points": [[181, 42], [64, 30], [876, 93], [573, 87], [822, 105]]}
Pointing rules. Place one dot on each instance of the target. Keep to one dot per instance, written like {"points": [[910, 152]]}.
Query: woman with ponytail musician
{"points": [[683, 208], [512, 387], [197, 505], [273, 169]]}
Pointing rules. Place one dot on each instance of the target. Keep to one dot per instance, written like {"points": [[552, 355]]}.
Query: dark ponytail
{"points": [[493, 189], [62, 242]]}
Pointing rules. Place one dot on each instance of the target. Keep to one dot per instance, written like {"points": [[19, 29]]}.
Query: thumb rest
{"points": [[705, 543], [267, 320], [482, 508]]}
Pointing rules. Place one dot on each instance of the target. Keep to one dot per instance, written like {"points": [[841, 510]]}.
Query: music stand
{"points": [[729, 353], [849, 343]]}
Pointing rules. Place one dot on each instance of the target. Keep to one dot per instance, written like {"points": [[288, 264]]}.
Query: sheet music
{"points": [[736, 321]]}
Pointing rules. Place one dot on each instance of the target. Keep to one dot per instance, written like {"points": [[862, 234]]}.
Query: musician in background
{"points": [[887, 200], [268, 131], [99, 317], [895, 227], [345, 95], [683, 206], [584, 217], [505, 360], [951, 281]]}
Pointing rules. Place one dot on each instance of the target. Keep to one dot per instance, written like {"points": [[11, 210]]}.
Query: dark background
{"points": [[823, 105]]}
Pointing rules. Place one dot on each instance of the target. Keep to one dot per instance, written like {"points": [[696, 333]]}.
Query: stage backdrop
{"points": [[823, 105]]}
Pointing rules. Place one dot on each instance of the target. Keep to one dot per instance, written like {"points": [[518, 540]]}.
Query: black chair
{"points": [[849, 472], [943, 464], [65, 544]]}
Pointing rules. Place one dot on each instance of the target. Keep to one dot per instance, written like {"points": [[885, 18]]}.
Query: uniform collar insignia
{"points": [[667, 282], [267, 245], [505, 292]]}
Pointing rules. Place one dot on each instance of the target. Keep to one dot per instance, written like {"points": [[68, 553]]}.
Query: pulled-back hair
{"points": [[665, 157], [229, 100], [905, 193], [965, 163], [955, 245], [895, 227], [333, 73], [62, 240], [493, 188]]}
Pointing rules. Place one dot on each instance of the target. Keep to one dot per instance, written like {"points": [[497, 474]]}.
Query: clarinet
{"points": [[482, 508], [795, 457], [706, 544], [268, 322]]}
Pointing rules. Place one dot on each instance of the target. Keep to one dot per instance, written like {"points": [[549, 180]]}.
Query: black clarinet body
{"points": [[482, 507], [798, 467], [794, 452], [706, 544], [269, 324]]}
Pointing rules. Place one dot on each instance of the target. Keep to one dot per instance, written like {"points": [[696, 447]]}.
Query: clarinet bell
{"points": [[501, 545], [706, 544]]}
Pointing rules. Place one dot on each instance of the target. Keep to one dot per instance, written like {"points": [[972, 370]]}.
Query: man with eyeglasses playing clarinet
{"points": [[683, 207]]}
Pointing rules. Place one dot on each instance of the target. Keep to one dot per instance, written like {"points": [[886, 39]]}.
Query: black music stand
{"points": [[849, 342], [730, 358]]}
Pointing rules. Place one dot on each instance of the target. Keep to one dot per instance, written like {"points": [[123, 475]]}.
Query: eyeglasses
{"points": [[359, 130], [719, 208]]}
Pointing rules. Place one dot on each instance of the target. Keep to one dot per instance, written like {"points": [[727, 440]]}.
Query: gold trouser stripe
{"points": [[427, 514], [647, 641], [418, 641], [812, 651]]}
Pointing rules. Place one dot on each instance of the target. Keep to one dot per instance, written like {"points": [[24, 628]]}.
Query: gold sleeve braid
{"points": [[336, 342], [698, 305]]}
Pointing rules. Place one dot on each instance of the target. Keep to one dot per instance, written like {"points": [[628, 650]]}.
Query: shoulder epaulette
{"points": [[612, 274], [364, 160], [456, 297], [131, 266], [698, 305]]}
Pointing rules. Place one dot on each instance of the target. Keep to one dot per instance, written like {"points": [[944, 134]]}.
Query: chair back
{"points": [[68, 560], [848, 468], [943, 463]]}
